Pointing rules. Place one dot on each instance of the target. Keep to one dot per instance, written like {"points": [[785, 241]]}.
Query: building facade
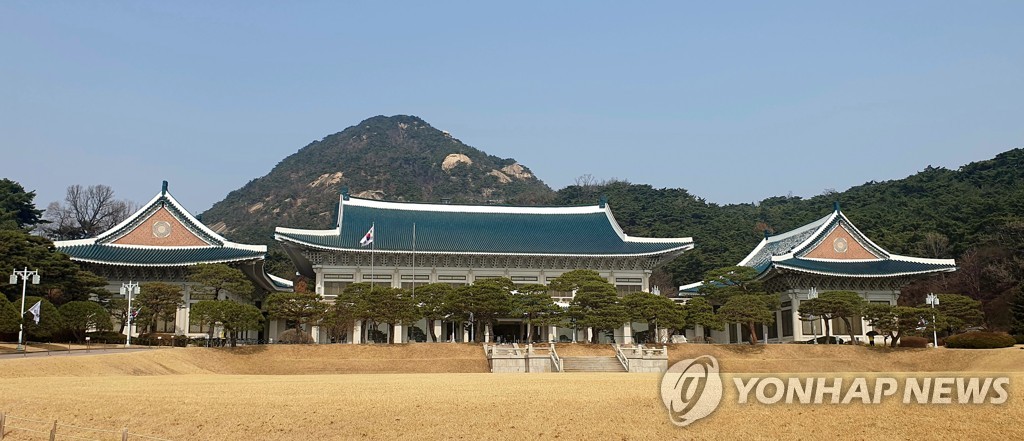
{"points": [[829, 254], [415, 244], [160, 243]]}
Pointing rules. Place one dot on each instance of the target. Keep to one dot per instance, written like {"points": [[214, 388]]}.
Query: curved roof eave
{"points": [[284, 238]]}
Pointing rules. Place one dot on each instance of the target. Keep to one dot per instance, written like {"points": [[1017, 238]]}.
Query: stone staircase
{"points": [[592, 364]]}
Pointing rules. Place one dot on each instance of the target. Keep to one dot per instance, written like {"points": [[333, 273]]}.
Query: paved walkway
{"points": [[75, 352]]}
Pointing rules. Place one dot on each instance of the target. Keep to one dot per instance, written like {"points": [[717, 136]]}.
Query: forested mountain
{"points": [[397, 158]]}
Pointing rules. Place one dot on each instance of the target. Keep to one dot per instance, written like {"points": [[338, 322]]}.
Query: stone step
{"points": [[591, 364]]}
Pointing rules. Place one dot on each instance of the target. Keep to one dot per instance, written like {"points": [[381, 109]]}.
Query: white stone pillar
{"points": [[627, 333], [553, 334], [465, 332], [798, 327], [438, 331], [356, 336], [399, 334], [314, 331], [589, 335], [487, 333]]}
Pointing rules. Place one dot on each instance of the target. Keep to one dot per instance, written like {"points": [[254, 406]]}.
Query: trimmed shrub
{"points": [[914, 342], [294, 336], [1019, 338], [980, 340]]}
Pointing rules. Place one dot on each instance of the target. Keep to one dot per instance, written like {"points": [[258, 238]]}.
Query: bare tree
{"points": [[935, 245], [587, 180], [86, 212]]}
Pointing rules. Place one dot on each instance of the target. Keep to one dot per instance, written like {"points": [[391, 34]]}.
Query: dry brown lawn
{"points": [[204, 394]]}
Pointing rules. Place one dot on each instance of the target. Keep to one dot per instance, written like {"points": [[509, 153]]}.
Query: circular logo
{"points": [[161, 229], [691, 389], [840, 245]]}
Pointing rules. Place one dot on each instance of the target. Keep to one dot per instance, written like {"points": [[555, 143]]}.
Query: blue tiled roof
{"points": [[154, 256], [511, 232], [865, 268]]}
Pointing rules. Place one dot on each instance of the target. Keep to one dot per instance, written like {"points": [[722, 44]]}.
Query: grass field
{"points": [[260, 394]]}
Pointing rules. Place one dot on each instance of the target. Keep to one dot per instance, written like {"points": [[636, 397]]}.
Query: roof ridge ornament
{"points": [[603, 201], [836, 205], [344, 193], [163, 188]]}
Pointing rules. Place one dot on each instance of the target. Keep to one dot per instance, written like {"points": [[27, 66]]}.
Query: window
{"points": [[446, 277], [335, 288], [524, 278], [417, 277], [376, 276], [626, 289], [338, 277]]}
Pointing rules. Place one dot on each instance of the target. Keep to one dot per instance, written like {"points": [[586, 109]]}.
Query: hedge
{"points": [[980, 340]]}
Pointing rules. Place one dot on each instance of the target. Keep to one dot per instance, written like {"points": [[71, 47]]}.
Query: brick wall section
{"points": [[143, 234], [854, 250]]}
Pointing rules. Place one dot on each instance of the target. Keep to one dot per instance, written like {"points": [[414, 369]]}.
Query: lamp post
{"points": [[813, 294], [933, 300], [25, 275], [128, 290]]}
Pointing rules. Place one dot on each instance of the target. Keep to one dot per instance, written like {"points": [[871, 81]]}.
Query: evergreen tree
{"points": [[596, 305], [750, 309], [157, 301], [17, 209], [218, 278], [81, 316], [1017, 311]]}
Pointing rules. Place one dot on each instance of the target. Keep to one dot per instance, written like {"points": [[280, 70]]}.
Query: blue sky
{"points": [[732, 101]]}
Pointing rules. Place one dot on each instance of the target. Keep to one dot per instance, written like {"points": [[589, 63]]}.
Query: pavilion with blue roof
{"points": [[160, 243], [829, 254]]}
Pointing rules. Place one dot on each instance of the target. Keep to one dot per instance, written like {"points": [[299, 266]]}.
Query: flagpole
{"points": [[373, 251], [414, 260]]}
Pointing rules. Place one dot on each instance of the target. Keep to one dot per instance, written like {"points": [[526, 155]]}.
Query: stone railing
{"points": [[512, 358], [620, 354], [556, 362], [637, 358]]}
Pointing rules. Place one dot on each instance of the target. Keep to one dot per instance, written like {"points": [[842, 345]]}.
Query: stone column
{"points": [[399, 335], [465, 332], [356, 336], [627, 333], [553, 334], [487, 333], [314, 331], [798, 327], [438, 331]]}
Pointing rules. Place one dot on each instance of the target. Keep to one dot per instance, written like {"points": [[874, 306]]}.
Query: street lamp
{"points": [[25, 275], [128, 290], [813, 294], [933, 300]]}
